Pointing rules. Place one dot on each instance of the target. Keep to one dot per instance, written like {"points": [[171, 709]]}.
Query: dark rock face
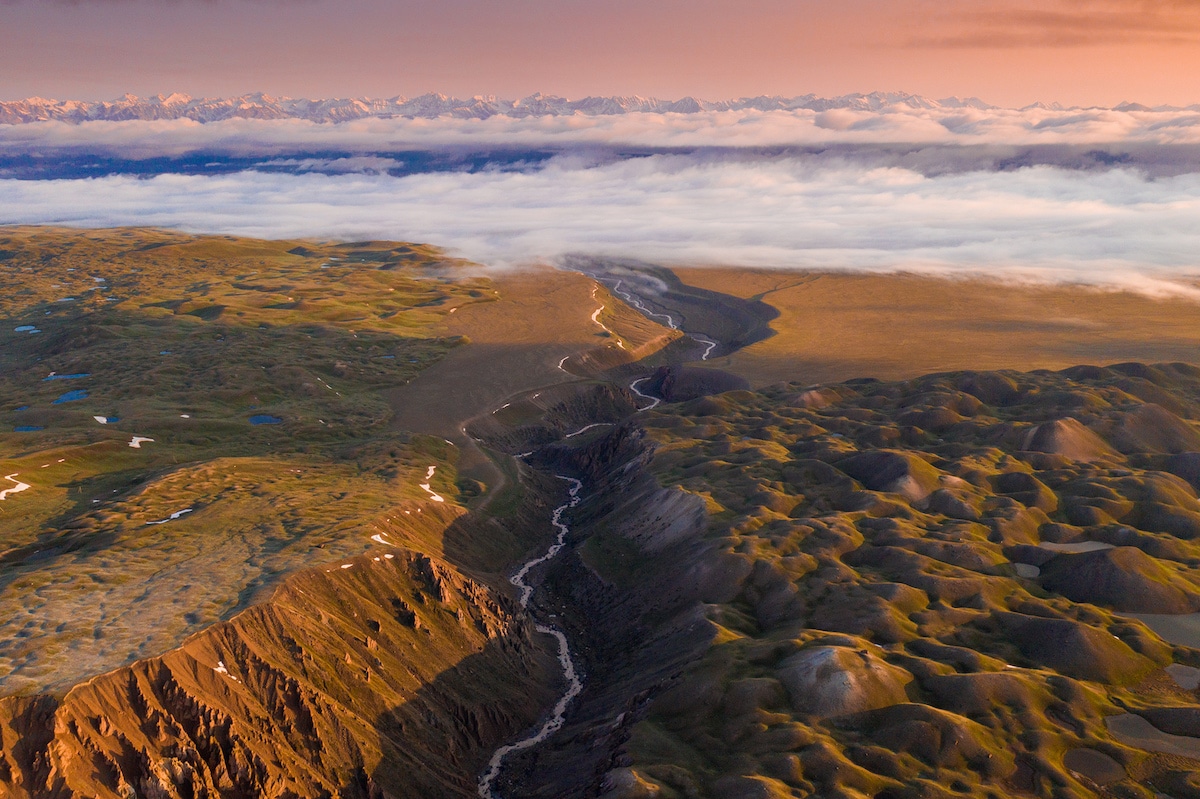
{"points": [[1074, 649], [1174, 720], [1152, 428], [990, 388], [1026, 489], [1187, 466]]}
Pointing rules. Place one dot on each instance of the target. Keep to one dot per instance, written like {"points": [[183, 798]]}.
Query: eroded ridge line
{"points": [[574, 684]]}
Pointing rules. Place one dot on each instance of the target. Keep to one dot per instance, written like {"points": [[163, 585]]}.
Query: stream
{"points": [[709, 344], [574, 684]]}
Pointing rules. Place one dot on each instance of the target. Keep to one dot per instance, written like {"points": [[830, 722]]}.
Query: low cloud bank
{"points": [[1113, 227], [966, 126]]}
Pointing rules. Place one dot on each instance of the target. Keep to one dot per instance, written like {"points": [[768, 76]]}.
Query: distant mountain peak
{"points": [[259, 105]]}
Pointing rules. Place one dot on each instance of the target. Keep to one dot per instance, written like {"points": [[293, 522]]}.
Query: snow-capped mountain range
{"points": [[432, 106]]}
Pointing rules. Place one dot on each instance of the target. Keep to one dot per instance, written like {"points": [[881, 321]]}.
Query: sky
{"points": [[1100, 195], [1008, 52]]}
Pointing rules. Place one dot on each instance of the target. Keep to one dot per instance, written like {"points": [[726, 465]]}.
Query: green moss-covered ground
{"points": [[183, 340]]}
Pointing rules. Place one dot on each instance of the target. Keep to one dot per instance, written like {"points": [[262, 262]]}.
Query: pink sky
{"points": [[1007, 52]]}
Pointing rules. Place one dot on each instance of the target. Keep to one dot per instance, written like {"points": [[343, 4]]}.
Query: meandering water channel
{"points": [[574, 683], [709, 344]]}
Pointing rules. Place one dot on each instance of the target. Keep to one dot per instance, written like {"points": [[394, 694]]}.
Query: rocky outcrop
{"points": [[893, 472], [682, 383], [390, 675]]}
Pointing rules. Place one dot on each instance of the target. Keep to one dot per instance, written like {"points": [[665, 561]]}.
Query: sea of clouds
{"points": [[1096, 196]]}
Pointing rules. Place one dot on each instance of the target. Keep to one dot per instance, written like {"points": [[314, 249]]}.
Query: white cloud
{"points": [[1113, 226], [362, 164], [747, 128]]}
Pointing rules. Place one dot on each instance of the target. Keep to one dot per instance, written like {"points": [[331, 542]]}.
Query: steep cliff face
{"points": [[388, 675]]}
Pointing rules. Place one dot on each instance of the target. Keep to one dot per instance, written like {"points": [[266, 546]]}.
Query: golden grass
{"points": [[836, 326]]}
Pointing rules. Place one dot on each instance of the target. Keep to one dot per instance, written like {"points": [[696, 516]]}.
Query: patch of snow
{"points": [[173, 516], [425, 485], [18, 486], [220, 669]]}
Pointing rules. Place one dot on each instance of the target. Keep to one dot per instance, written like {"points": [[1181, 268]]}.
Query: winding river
{"points": [[709, 344], [574, 684]]}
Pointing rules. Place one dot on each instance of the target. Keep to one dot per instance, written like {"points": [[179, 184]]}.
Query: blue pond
{"points": [[26, 329], [23, 408], [265, 419], [70, 396], [27, 428], [66, 377]]}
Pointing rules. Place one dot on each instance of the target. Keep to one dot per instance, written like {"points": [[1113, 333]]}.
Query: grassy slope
{"points": [[841, 326], [916, 579], [183, 339]]}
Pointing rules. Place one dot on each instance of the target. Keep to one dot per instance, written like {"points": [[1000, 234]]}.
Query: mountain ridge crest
{"points": [[259, 105]]}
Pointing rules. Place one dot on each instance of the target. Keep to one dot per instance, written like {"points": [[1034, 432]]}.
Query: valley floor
{"points": [[778, 581]]}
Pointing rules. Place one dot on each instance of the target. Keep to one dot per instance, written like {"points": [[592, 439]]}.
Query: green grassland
{"points": [[182, 340]]}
